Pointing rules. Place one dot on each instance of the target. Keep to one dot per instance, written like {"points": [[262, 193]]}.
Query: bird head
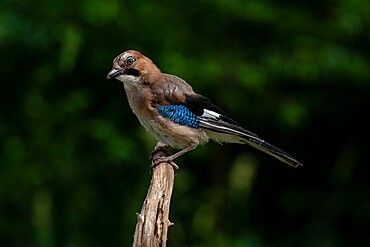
{"points": [[133, 67]]}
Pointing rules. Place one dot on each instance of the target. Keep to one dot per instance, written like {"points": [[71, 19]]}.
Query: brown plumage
{"points": [[175, 115]]}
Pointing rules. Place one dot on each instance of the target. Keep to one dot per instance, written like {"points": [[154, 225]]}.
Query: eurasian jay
{"points": [[175, 115]]}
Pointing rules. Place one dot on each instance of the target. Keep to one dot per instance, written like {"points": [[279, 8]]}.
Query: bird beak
{"points": [[115, 72]]}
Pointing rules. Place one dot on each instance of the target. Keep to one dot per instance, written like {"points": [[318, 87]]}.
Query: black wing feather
{"points": [[223, 124], [197, 103]]}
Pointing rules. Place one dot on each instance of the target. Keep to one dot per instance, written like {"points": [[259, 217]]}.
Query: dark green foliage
{"points": [[73, 158]]}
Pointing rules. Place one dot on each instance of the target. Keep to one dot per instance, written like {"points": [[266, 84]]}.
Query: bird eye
{"points": [[130, 60]]}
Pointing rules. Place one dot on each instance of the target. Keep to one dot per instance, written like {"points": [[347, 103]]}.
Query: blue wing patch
{"points": [[179, 114]]}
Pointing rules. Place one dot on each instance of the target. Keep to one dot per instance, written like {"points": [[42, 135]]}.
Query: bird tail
{"points": [[222, 131]]}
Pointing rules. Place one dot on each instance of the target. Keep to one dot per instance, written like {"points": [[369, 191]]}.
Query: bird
{"points": [[175, 115]]}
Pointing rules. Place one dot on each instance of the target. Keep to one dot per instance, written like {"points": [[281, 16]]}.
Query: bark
{"points": [[153, 220]]}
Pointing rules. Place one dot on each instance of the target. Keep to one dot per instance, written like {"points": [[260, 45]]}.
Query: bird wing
{"points": [[224, 129], [170, 89], [178, 102], [214, 119]]}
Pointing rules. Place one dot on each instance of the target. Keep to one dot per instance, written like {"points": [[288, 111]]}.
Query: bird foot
{"points": [[164, 159], [160, 155], [159, 147]]}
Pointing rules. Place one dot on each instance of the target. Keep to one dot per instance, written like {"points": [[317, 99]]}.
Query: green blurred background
{"points": [[74, 159]]}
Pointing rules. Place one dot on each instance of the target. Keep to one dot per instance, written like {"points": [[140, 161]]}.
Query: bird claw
{"points": [[158, 148], [163, 159], [160, 155]]}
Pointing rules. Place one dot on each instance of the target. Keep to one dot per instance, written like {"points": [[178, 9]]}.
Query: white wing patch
{"points": [[210, 114]]}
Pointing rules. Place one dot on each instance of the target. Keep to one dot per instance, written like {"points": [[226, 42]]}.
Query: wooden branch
{"points": [[153, 222]]}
